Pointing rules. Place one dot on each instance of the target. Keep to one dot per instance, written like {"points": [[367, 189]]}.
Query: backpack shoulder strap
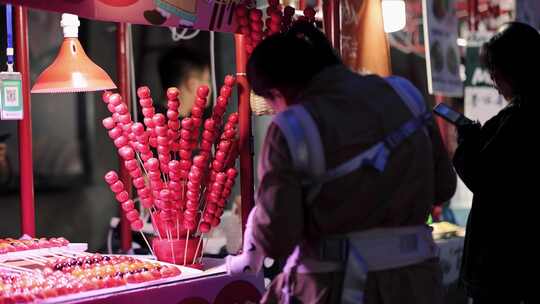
{"points": [[303, 138]]}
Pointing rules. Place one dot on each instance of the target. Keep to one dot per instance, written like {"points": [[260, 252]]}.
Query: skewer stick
{"points": [[169, 237], [147, 243], [197, 250], [154, 221], [15, 268], [185, 249], [202, 251]]}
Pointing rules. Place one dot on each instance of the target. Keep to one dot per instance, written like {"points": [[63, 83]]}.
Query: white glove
{"points": [[251, 259]]}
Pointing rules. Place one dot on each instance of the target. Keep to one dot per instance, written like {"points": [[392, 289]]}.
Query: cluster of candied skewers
{"points": [[182, 181]]}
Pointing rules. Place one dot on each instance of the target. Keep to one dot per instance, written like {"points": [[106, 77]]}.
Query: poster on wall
{"points": [[528, 11], [215, 15], [482, 101], [442, 53]]}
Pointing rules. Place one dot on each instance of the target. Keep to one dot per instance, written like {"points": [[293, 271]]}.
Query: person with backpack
{"points": [[350, 169]]}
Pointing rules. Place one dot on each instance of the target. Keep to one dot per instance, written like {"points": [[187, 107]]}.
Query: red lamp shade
{"points": [[72, 70]]}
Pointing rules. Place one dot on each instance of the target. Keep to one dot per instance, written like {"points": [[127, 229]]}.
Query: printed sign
{"points": [[442, 53], [11, 105]]}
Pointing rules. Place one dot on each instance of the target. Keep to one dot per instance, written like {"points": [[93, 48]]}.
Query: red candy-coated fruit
{"points": [[152, 164], [208, 216], [215, 222], [165, 194], [144, 192], [217, 165], [164, 158], [121, 108], [152, 141], [233, 118], [161, 130], [146, 156], [148, 113], [125, 119], [175, 186], [185, 134], [187, 123], [111, 177], [185, 154], [115, 132], [162, 141], [205, 227], [128, 205], [224, 146], [199, 161], [203, 91], [209, 124], [225, 91], [149, 122], [137, 225], [192, 205], [143, 92], [208, 135], [135, 173], [117, 186], [147, 202], [163, 150], [138, 182], [137, 129], [211, 208], [221, 178], [206, 145], [232, 173], [190, 224], [172, 93], [196, 123], [230, 80], [194, 176], [201, 102], [108, 123], [229, 134], [217, 187], [185, 145], [131, 164], [184, 164], [174, 165], [255, 14], [122, 196], [256, 35], [194, 196], [190, 213], [159, 119], [172, 114], [121, 141], [126, 153], [173, 124], [196, 111], [146, 102], [105, 96], [115, 99]]}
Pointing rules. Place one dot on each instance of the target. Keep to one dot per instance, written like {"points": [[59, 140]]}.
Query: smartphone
{"points": [[451, 115], [4, 137]]}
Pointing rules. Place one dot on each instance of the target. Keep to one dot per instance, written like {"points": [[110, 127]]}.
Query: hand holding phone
{"points": [[451, 115]]}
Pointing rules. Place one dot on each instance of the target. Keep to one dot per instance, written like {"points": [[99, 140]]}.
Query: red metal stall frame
{"points": [[245, 132], [28, 221], [122, 62]]}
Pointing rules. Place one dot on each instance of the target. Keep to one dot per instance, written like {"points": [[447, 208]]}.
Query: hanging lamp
{"points": [[72, 70]]}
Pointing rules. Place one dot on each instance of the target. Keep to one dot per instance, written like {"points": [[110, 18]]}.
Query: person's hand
{"points": [[3, 155]]}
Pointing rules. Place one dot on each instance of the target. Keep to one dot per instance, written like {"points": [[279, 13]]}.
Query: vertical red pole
{"points": [[443, 126], [28, 222], [246, 140], [122, 60]]}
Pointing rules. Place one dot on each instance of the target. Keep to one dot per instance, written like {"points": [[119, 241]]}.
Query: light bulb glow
{"points": [[394, 15]]}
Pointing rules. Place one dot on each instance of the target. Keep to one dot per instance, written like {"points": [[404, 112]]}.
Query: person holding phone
{"points": [[498, 162]]}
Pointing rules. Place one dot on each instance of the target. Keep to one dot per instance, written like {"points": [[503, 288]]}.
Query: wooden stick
{"points": [[15, 268], [156, 224], [185, 250], [147, 244], [202, 251], [197, 250]]}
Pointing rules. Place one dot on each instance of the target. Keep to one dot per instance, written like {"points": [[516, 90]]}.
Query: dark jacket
{"points": [[498, 163]]}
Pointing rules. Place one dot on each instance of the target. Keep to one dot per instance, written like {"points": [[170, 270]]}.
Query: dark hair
{"points": [[515, 53], [289, 60], [176, 64]]}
